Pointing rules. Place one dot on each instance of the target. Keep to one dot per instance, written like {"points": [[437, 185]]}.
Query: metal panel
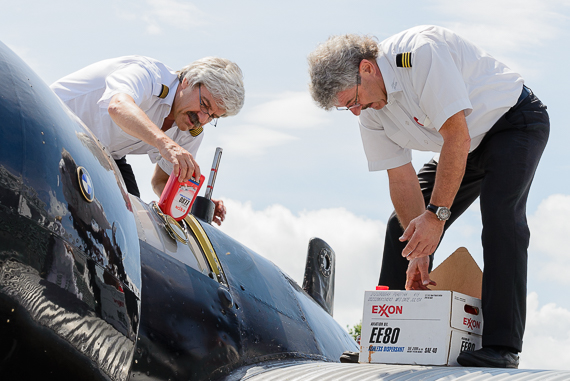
{"points": [[311, 370]]}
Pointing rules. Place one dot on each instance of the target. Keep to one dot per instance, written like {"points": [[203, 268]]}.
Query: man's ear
{"points": [[184, 83], [366, 67]]}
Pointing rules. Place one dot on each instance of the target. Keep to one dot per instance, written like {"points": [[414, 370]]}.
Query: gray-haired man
{"points": [[429, 89], [137, 105]]}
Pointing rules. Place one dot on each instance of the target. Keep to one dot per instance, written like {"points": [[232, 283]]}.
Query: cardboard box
{"points": [[419, 327], [459, 272]]}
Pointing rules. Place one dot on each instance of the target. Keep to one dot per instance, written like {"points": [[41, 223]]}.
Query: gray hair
{"points": [[333, 66], [221, 77]]}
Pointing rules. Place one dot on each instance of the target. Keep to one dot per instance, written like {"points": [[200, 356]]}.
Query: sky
{"points": [[291, 171]]}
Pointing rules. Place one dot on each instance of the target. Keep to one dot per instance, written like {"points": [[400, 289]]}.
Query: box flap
{"points": [[459, 272]]}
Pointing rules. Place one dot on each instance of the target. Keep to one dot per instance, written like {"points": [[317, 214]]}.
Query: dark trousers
{"points": [[128, 176], [499, 171]]}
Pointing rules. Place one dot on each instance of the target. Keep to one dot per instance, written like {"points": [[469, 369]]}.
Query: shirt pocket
{"points": [[399, 137]]}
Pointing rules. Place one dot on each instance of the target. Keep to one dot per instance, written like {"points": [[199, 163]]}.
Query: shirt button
{"points": [[425, 141], [407, 122]]}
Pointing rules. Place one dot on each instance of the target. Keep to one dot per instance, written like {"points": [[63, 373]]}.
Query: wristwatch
{"points": [[441, 212]]}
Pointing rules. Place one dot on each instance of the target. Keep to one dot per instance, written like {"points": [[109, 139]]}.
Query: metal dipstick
{"points": [[213, 173]]}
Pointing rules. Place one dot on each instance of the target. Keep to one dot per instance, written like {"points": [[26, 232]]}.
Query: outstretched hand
{"points": [[417, 275], [423, 233]]}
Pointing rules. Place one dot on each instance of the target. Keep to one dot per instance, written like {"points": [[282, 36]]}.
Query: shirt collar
{"points": [[170, 79], [390, 80]]}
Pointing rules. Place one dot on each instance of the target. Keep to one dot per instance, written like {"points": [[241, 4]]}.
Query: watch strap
{"points": [[432, 208]]}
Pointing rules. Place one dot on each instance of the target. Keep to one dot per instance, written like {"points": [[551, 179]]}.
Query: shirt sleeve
{"points": [[381, 152], [438, 83], [133, 79]]}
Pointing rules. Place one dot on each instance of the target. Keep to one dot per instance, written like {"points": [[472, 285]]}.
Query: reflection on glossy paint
{"points": [[48, 305]]}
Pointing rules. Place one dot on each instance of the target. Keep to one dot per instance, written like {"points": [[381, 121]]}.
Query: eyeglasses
{"points": [[356, 104], [204, 109]]}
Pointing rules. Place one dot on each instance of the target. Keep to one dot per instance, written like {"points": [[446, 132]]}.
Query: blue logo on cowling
{"points": [[85, 184]]}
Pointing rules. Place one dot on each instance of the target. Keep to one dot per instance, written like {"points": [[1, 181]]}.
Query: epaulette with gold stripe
{"points": [[404, 59], [164, 92], [196, 131]]}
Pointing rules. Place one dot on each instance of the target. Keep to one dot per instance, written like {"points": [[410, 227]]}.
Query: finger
{"points": [[176, 169], [419, 252], [409, 283], [425, 275], [190, 168], [425, 279], [410, 276], [220, 215], [183, 169], [195, 169], [409, 249], [417, 285], [408, 232]]}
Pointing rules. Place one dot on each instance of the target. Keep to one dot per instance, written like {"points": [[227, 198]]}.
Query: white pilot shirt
{"points": [[87, 93], [448, 74]]}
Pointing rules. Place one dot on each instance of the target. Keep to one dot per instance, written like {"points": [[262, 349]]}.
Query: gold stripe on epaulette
{"points": [[404, 59], [164, 92], [196, 131]]}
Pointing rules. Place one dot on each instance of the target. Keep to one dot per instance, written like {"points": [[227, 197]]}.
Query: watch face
{"points": [[443, 213]]}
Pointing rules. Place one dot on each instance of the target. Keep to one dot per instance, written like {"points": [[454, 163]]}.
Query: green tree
{"points": [[355, 330]]}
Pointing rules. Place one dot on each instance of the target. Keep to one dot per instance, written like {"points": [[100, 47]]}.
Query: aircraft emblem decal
{"points": [[85, 184]]}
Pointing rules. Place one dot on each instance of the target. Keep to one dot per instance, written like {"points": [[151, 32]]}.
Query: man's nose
{"points": [[203, 117], [356, 110]]}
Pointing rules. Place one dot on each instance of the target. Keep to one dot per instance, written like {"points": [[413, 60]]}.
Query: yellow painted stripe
{"points": [[207, 247]]}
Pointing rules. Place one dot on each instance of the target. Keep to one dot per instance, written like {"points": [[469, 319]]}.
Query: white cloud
{"points": [[550, 226], [283, 237], [506, 25], [182, 14], [159, 13], [288, 110], [272, 124], [250, 140], [547, 336]]}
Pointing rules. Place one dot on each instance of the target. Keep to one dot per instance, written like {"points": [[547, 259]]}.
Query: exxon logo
{"points": [[386, 310], [471, 323]]}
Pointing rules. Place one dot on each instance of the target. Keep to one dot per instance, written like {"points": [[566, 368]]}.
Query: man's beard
{"points": [[194, 119]]}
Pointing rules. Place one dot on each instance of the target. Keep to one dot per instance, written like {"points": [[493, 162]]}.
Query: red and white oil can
{"points": [[177, 197]]}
